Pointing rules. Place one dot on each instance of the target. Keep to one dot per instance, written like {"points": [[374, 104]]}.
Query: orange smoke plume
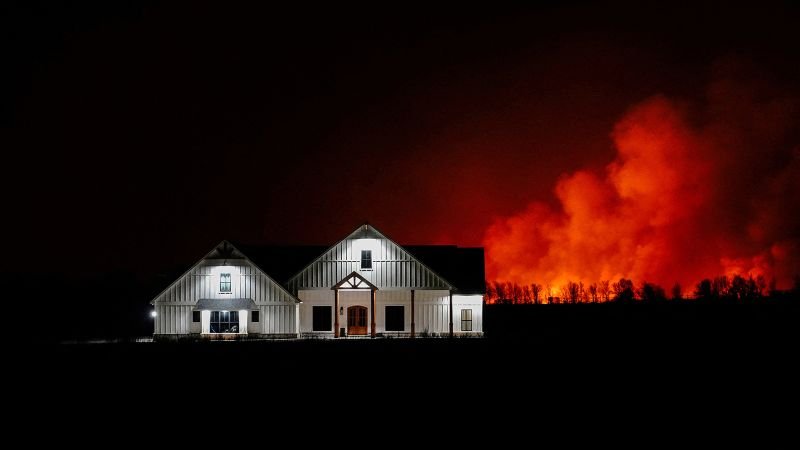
{"points": [[692, 193]]}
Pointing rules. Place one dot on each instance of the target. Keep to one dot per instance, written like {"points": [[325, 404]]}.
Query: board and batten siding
{"points": [[392, 266], [431, 309], [174, 306]]}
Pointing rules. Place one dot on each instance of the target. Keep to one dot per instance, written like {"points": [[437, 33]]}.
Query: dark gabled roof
{"points": [[281, 262], [461, 266]]}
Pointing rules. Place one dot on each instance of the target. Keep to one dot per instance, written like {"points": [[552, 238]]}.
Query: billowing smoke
{"points": [[693, 192]]}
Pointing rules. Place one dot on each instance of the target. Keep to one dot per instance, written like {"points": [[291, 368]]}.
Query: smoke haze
{"points": [[696, 189]]}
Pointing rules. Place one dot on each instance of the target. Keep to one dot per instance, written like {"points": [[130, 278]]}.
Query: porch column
{"points": [[412, 314], [296, 319], [336, 313], [451, 313], [372, 312]]}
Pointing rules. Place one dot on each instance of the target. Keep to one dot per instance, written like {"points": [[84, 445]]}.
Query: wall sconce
{"points": [[341, 310]]}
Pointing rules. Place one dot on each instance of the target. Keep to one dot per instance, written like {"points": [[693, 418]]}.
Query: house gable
{"points": [[391, 266], [247, 280]]}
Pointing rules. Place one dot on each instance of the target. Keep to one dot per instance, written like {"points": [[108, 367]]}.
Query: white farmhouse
{"points": [[364, 285]]}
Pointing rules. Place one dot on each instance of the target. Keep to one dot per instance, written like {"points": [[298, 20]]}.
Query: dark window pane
{"points": [[321, 318], [254, 316], [195, 316], [225, 282], [366, 259], [395, 318], [466, 320], [224, 322]]}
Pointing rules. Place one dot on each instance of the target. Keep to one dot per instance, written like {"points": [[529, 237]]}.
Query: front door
{"points": [[357, 320]]}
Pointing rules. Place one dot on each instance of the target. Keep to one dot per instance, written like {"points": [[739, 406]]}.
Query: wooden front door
{"points": [[357, 320]]}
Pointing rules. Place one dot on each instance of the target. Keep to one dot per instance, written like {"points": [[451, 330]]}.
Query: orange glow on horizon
{"points": [[687, 197]]}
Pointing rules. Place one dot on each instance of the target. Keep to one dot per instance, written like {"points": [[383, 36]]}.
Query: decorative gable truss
{"points": [[354, 281]]}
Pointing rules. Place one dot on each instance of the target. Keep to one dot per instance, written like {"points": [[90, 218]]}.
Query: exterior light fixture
{"points": [[153, 313]]}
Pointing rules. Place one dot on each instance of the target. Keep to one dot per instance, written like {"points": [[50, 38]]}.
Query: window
{"points": [[366, 259], [224, 282], [466, 320], [395, 318], [224, 321], [254, 316], [322, 318], [195, 316]]}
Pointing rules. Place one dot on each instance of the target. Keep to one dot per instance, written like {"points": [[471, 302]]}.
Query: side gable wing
{"points": [[393, 267], [249, 280]]}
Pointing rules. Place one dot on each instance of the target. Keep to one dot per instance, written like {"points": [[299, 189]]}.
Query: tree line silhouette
{"points": [[723, 287]]}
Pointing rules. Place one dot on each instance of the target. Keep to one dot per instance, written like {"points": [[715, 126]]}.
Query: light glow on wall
{"points": [[243, 319], [471, 299], [366, 244], [216, 269]]}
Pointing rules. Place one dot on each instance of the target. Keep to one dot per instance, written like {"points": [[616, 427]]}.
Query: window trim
{"points": [[465, 321], [228, 283], [211, 320], [368, 253]]}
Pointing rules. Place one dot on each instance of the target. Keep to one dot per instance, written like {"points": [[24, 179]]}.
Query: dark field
{"points": [[635, 374], [546, 351]]}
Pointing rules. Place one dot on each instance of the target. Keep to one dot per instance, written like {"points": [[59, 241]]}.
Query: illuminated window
{"points": [[195, 316], [254, 316], [466, 320], [224, 282], [321, 318], [395, 318], [224, 321], [366, 259]]}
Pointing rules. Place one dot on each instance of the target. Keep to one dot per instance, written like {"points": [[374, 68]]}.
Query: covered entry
{"points": [[357, 320], [356, 314]]}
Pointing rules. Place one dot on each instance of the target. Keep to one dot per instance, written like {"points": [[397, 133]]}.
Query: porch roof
{"points": [[224, 304]]}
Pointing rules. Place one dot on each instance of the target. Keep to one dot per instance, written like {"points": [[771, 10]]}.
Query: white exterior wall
{"points": [[173, 318], [392, 298], [473, 302], [347, 298], [310, 298], [174, 306], [431, 309]]}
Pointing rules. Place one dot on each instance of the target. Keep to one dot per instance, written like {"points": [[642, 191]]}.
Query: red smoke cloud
{"points": [[693, 192]]}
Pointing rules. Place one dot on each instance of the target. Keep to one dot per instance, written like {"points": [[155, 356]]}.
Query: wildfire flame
{"points": [[692, 193]]}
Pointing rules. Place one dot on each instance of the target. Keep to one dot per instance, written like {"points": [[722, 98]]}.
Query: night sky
{"points": [[136, 137]]}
